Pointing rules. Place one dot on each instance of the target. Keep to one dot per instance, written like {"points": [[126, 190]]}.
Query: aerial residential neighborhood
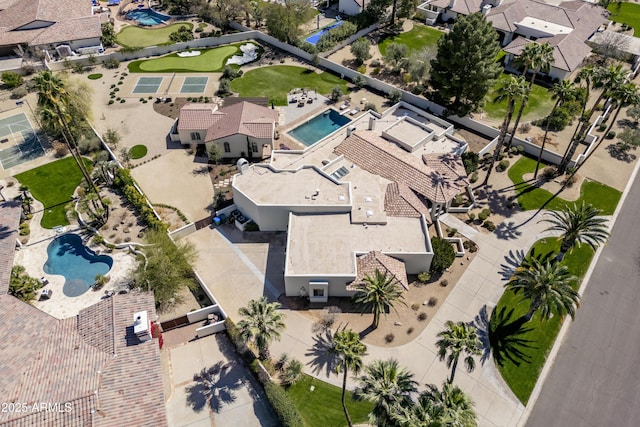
{"points": [[319, 213]]}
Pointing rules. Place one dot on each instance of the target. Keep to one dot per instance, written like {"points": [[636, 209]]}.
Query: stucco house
{"points": [[242, 129], [50, 26], [367, 197], [566, 26]]}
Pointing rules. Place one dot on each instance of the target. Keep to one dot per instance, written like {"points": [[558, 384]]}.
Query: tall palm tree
{"points": [[514, 89], [389, 387], [378, 294], [459, 338], [609, 79], [562, 92], [349, 349], [456, 408], [578, 224], [262, 324], [537, 57], [547, 285]]}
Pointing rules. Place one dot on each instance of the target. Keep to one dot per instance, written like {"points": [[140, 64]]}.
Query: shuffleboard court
{"points": [[148, 85], [18, 141], [194, 84]]}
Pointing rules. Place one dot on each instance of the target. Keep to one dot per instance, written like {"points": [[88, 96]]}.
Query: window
{"points": [[195, 136], [318, 292], [254, 147], [227, 147]]}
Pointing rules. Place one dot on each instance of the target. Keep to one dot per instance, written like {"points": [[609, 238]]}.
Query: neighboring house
{"points": [[566, 26], [87, 370], [241, 129], [352, 7], [361, 199], [57, 27]]}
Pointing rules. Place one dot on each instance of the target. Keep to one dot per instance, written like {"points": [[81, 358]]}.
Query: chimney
{"points": [[372, 123], [486, 9], [452, 3], [350, 130], [243, 165]]}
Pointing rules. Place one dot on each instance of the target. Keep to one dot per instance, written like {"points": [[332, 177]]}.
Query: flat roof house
{"points": [[242, 129], [566, 26], [362, 198], [48, 25], [88, 370]]}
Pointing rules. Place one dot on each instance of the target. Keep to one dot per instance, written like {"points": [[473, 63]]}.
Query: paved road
{"points": [[595, 380]]}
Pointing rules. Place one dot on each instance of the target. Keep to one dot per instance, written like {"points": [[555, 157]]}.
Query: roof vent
{"points": [[243, 165]]}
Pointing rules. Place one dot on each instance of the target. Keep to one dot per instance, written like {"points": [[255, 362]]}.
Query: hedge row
{"points": [[125, 183]]}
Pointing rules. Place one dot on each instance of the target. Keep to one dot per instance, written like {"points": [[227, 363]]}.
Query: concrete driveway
{"points": [[175, 179], [227, 395]]}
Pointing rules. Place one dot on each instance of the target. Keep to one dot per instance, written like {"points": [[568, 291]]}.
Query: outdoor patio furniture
{"points": [[44, 281], [46, 294]]}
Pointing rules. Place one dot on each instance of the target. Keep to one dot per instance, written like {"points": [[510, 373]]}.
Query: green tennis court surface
{"points": [[194, 84], [148, 85]]}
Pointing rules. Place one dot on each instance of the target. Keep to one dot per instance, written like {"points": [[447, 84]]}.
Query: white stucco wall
{"points": [[349, 7]]}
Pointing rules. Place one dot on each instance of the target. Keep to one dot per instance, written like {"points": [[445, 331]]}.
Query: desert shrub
{"points": [[225, 88], [370, 106], [444, 283], [24, 229], [394, 96], [230, 73], [111, 63], [375, 63], [424, 277], [472, 216], [415, 306], [470, 160], [489, 225], [549, 172], [484, 214], [362, 69], [432, 302], [443, 255], [389, 338], [12, 79], [451, 231], [611, 134], [422, 316], [19, 92], [410, 330], [183, 34], [283, 406], [60, 148], [602, 127], [360, 81], [474, 177], [470, 245], [503, 165], [525, 127]]}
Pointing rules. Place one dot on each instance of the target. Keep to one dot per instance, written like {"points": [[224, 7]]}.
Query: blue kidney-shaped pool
{"points": [[78, 264]]}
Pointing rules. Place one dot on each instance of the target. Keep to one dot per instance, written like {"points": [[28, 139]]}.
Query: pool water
{"points": [[147, 17], [319, 127], [78, 264], [314, 38]]}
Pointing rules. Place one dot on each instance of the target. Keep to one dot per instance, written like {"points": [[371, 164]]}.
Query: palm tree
{"points": [[389, 387], [459, 338], [514, 89], [578, 224], [547, 284], [609, 79], [455, 407], [537, 57], [562, 92], [378, 294], [262, 324], [349, 349]]}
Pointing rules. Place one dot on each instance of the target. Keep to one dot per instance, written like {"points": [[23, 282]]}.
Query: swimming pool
{"points": [[78, 264], [319, 127], [314, 38], [147, 17]]}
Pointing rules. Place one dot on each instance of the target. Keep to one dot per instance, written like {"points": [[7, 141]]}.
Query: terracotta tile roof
{"points": [[95, 325], [76, 413], [400, 200], [9, 222], [27, 11], [466, 7], [380, 157], [448, 176], [368, 263], [240, 118], [86, 27]]}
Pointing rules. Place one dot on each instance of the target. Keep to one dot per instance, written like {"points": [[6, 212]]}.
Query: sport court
{"points": [[22, 143], [148, 85], [194, 84]]}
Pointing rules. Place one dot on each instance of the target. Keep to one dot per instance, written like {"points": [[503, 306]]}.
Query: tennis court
{"points": [[148, 85], [21, 140], [194, 84]]}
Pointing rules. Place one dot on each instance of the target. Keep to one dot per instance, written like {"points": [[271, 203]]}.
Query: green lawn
{"points": [[419, 37], [278, 80], [521, 372], [322, 407], [599, 195], [629, 13], [133, 36], [138, 151], [53, 184], [538, 106], [209, 61]]}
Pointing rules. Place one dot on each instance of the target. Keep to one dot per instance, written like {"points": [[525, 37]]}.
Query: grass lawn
{"points": [[599, 195], [53, 184], [322, 407], [521, 373], [138, 151], [209, 61], [629, 13], [419, 37], [278, 80], [133, 36], [538, 106]]}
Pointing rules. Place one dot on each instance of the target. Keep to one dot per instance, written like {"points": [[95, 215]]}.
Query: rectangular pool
{"points": [[318, 127], [314, 38]]}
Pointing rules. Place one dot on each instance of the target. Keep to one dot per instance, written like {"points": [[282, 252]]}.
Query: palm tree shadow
{"points": [[512, 261], [505, 338], [320, 354], [508, 231], [216, 386], [482, 324]]}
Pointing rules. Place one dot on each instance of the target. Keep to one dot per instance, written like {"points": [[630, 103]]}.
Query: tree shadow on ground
{"points": [[482, 323], [497, 200], [512, 261], [623, 156], [505, 337], [215, 386], [320, 353], [202, 170], [507, 231]]}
